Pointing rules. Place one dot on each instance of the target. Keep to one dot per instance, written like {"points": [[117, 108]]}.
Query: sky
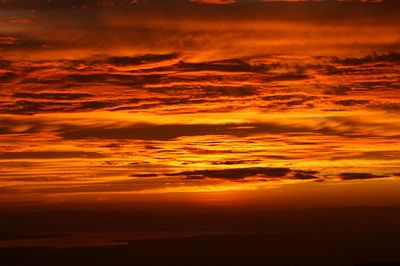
{"points": [[226, 103]]}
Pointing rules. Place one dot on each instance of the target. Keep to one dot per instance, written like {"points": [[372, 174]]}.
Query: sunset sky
{"points": [[199, 103]]}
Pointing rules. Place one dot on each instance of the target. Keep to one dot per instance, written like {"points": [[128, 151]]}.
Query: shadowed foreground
{"points": [[353, 236], [254, 249]]}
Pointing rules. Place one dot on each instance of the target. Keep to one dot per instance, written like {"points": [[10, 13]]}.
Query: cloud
{"points": [[337, 90], [289, 99], [217, 2], [140, 59], [48, 4], [333, 126], [386, 155], [234, 162], [390, 57], [206, 91], [34, 179], [8, 77], [145, 175], [48, 155], [5, 64], [158, 26], [282, 97], [189, 84], [243, 173], [52, 96], [386, 106], [305, 175], [173, 131], [12, 126], [22, 41], [352, 102], [235, 173], [290, 76], [234, 91], [148, 131], [356, 176], [22, 107], [227, 65]]}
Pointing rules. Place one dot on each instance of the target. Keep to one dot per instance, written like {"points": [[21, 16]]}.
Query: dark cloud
{"points": [[125, 79], [145, 175], [208, 91], [64, 3], [332, 70], [5, 64], [31, 103], [290, 76], [30, 107], [7, 126], [143, 131], [52, 96], [371, 155], [173, 131], [94, 105], [329, 10], [48, 155], [97, 78], [148, 132], [243, 173], [21, 41], [8, 77], [352, 102], [391, 57], [304, 174], [38, 179], [379, 85], [234, 162], [281, 97], [355, 176], [239, 91], [337, 90], [237, 173], [141, 59], [390, 107], [150, 27], [228, 65], [289, 99], [214, 2], [23, 107]]}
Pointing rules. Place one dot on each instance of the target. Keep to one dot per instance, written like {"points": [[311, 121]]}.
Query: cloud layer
{"points": [[232, 95]]}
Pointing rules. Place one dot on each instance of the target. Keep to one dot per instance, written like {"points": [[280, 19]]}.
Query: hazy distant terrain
{"points": [[348, 236]]}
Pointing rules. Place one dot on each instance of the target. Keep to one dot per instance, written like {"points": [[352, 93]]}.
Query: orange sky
{"points": [[208, 102]]}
